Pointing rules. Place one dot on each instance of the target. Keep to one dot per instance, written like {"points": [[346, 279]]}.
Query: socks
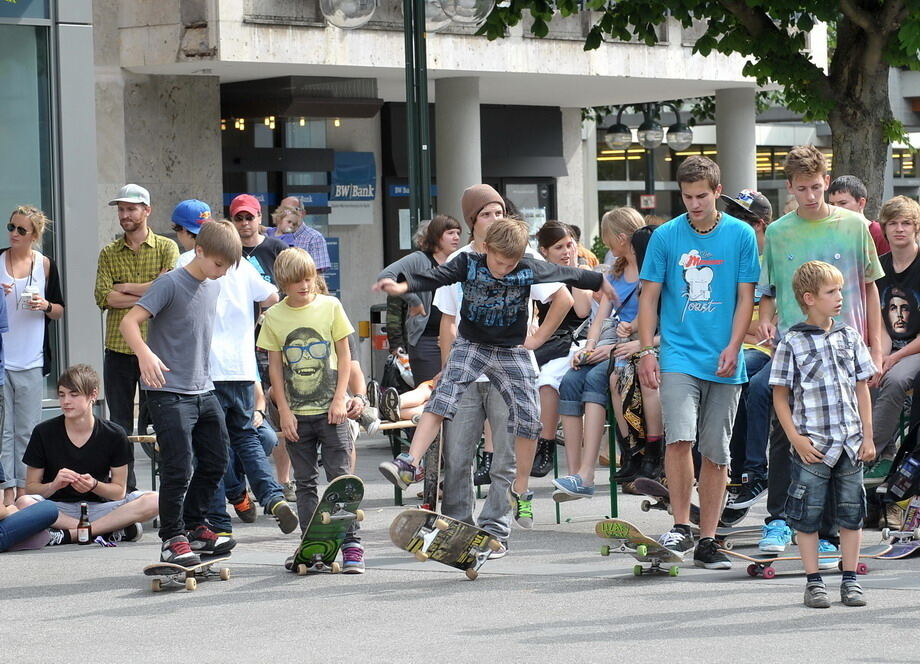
{"points": [[684, 528], [848, 576], [815, 578]]}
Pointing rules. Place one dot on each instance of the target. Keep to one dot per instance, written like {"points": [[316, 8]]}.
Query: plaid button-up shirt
{"points": [[821, 370], [119, 264], [308, 239]]}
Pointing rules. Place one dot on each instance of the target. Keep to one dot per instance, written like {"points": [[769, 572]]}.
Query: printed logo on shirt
{"points": [[495, 302], [698, 276]]}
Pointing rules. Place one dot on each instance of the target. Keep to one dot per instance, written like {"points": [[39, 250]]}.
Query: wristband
{"points": [[645, 348], [95, 485], [48, 310], [260, 412], [645, 351]]}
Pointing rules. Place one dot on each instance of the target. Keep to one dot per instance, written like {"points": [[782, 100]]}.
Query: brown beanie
{"points": [[477, 197]]}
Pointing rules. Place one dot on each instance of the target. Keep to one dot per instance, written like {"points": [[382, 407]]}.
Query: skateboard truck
{"points": [[341, 514], [317, 565], [641, 550]]}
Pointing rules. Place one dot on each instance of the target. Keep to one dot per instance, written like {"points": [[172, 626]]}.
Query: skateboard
{"points": [[324, 534], [725, 537], [631, 540], [171, 574], [906, 541], [433, 536], [432, 466], [658, 492], [763, 565]]}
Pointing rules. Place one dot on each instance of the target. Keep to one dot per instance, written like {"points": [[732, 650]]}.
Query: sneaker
{"points": [[574, 486], [851, 594], [177, 550], [205, 541], [289, 489], [679, 539], [894, 515], [289, 563], [877, 474], [500, 552], [523, 508], [776, 535], [373, 394], [389, 405], [130, 533], [352, 558], [707, 555], [370, 420], [353, 430], [752, 491], [824, 548], [245, 508], [281, 510], [55, 537], [543, 460], [400, 471], [816, 595]]}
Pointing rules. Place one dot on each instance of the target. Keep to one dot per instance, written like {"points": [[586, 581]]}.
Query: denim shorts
{"points": [[814, 487]]}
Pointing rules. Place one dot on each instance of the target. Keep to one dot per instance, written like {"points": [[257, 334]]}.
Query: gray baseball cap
{"points": [[131, 193]]}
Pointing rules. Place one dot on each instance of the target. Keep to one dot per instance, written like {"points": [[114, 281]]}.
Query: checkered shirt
{"points": [[821, 370], [308, 239]]}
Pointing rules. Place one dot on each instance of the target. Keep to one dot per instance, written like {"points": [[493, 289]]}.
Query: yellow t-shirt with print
{"points": [[306, 338]]}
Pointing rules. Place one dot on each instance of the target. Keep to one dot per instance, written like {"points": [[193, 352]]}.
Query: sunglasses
{"points": [[19, 229], [243, 216]]}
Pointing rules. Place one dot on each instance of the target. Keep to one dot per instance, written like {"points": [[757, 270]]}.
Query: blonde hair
{"points": [[36, 216], [321, 286], [810, 277], [220, 239], [620, 221], [804, 160], [900, 206], [508, 237], [283, 212], [294, 265], [80, 378]]}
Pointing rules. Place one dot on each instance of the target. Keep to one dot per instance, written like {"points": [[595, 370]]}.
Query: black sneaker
{"points": [[752, 491], [205, 541], [56, 537], [281, 510], [679, 539], [178, 551], [707, 555], [389, 405], [130, 533]]}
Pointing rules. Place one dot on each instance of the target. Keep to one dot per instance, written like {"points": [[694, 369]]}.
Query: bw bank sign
{"points": [[354, 177]]}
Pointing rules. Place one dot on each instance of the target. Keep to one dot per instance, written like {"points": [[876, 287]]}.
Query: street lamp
{"points": [[468, 12], [348, 14]]}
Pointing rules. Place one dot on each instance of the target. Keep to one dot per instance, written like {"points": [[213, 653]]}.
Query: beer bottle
{"points": [[84, 529]]}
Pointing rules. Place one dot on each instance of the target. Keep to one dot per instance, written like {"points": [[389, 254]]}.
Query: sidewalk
{"points": [[552, 598]]}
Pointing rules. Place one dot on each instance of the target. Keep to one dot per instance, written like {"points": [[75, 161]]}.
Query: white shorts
{"points": [[552, 373]]}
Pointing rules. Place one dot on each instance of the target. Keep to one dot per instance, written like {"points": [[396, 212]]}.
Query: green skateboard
{"points": [[325, 533]]}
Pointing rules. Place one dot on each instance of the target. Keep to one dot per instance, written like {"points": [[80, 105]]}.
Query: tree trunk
{"points": [[859, 74]]}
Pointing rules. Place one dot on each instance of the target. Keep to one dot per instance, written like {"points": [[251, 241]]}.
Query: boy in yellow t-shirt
{"points": [[306, 336]]}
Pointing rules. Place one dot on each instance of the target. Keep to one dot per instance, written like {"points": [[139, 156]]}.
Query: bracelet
{"points": [[645, 351], [644, 348], [260, 412], [50, 307], [95, 485]]}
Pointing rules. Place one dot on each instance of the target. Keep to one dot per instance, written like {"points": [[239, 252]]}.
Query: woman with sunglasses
{"points": [[32, 290]]}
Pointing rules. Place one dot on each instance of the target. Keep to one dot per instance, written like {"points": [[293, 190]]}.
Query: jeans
{"points": [[888, 401], [752, 421], [235, 478], [121, 375], [817, 490], [588, 384], [480, 402], [237, 401], [193, 442], [25, 523], [22, 398]]}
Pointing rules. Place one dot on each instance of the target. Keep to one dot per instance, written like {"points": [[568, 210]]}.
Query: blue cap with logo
{"points": [[191, 214]]}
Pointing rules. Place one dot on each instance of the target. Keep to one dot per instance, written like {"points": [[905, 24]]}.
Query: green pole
{"points": [[424, 135], [412, 137]]}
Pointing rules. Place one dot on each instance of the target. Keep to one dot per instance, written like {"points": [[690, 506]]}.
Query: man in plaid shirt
{"points": [[822, 401], [301, 235]]}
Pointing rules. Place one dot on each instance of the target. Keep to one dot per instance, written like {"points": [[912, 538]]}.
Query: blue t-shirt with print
{"points": [[700, 274]]}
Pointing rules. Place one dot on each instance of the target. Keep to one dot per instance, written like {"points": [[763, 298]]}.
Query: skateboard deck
{"points": [[901, 549], [658, 492], [631, 540], [433, 536], [335, 512], [763, 565], [725, 537], [432, 464], [906, 541], [171, 574]]}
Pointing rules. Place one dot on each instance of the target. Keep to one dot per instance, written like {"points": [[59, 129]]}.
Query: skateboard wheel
{"points": [[917, 532], [494, 544], [359, 515], [191, 584], [471, 574], [769, 572], [637, 570], [862, 568], [728, 545], [674, 570], [301, 570], [645, 506], [421, 556], [325, 518], [605, 550], [224, 573], [886, 533], [335, 568], [156, 586], [752, 569], [441, 524], [641, 550]]}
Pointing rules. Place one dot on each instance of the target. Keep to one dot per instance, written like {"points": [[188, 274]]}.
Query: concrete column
{"points": [[736, 139], [572, 189], [592, 221], [458, 140]]}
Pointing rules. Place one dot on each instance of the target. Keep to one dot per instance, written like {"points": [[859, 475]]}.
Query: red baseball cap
{"points": [[245, 203]]}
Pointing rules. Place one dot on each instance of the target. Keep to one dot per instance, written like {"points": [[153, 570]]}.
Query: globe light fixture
{"points": [[680, 137], [348, 14], [468, 12], [435, 18], [650, 133], [618, 137]]}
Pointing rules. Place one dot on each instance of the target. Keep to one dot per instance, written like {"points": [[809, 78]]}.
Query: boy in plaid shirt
{"points": [[822, 401]]}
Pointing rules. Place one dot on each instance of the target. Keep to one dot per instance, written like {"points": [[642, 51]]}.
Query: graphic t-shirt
{"points": [[51, 449], [700, 274], [840, 239], [262, 257], [899, 293], [306, 338]]}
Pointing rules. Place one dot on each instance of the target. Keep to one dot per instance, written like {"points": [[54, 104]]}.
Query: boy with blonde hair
{"points": [[821, 399]]}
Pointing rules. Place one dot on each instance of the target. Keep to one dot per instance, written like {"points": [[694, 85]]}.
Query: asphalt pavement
{"points": [[552, 598]]}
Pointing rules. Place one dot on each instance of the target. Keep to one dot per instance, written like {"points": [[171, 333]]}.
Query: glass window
{"points": [[24, 9]]}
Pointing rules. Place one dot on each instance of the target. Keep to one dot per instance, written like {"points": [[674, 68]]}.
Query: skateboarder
{"points": [[821, 399]]}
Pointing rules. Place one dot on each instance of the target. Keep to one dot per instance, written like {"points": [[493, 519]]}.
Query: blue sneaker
{"points": [[776, 535], [572, 485], [824, 548]]}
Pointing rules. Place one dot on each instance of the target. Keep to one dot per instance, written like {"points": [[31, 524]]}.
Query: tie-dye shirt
{"points": [[840, 239]]}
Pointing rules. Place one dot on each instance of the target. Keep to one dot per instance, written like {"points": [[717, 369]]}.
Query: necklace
{"points": [[16, 294], [718, 219]]}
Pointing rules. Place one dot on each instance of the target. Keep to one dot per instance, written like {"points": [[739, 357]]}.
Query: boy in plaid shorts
{"points": [[822, 401], [493, 325]]}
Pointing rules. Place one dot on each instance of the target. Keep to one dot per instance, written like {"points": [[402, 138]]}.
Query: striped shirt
{"points": [[308, 239], [119, 264], [821, 370]]}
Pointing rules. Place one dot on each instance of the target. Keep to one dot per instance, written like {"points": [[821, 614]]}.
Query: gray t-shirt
{"points": [[183, 310]]}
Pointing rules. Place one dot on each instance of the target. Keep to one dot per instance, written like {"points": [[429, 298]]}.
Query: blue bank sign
{"points": [[354, 177]]}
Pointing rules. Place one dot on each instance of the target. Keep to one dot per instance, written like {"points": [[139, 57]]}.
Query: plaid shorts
{"points": [[512, 372]]}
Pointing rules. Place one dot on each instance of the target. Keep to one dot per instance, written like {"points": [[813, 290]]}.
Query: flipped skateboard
{"points": [[432, 467], [906, 541], [433, 536], [323, 536], [659, 493], [763, 565], [171, 574], [725, 537], [629, 539]]}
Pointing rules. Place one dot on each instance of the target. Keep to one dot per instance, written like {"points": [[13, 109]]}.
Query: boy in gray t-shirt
{"points": [[174, 370]]}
